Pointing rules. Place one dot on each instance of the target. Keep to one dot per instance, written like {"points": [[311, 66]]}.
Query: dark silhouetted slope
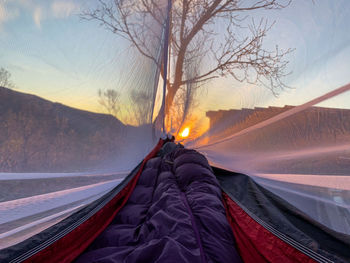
{"points": [[38, 135]]}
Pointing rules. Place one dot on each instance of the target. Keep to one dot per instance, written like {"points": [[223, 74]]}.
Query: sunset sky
{"points": [[53, 53]]}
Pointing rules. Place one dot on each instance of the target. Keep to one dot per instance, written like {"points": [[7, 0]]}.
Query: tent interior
{"points": [[234, 115]]}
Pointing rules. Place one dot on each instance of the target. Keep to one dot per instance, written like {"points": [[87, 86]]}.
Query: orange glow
{"points": [[185, 132]]}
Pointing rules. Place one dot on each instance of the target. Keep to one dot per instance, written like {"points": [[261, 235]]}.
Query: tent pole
{"points": [[165, 59]]}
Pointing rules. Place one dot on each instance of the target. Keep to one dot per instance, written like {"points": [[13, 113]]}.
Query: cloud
{"points": [[2, 14], [38, 16], [40, 11], [59, 9], [23, 3], [63, 9], [7, 14]]}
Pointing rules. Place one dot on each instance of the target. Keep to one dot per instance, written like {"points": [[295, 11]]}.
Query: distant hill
{"points": [[38, 135]]}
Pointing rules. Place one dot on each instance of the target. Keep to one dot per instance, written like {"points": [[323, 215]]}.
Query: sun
{"points": [[185, 132]]}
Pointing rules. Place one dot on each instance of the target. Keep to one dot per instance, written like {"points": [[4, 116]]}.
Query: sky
{"points": [[319, 33], [53, 53]]}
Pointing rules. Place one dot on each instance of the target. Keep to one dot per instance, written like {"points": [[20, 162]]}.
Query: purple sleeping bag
{"points": [[175, 214]]}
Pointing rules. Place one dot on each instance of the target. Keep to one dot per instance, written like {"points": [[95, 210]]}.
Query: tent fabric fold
{"points": [[66, 240], [269, 229]]}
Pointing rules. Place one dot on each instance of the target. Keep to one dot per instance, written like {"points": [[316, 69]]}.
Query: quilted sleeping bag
{"points": [[175, 214]]}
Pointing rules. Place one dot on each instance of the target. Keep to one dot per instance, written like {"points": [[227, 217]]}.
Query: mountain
{"points": [[38, 135]]}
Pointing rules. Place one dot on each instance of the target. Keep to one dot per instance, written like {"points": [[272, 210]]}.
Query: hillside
{"points": [[38, 135]]}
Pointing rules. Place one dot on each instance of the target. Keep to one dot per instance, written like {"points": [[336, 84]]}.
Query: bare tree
{"points": [[135, 112], [109, 100], [140, 110], [5, 79], [238, 51]]}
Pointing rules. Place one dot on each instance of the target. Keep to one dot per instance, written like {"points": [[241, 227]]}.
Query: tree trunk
{"points": [[171, 92], [172, 89]]}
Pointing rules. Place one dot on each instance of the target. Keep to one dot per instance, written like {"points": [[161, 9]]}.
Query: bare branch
{"points": [[5, 79], [236, 49]]}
